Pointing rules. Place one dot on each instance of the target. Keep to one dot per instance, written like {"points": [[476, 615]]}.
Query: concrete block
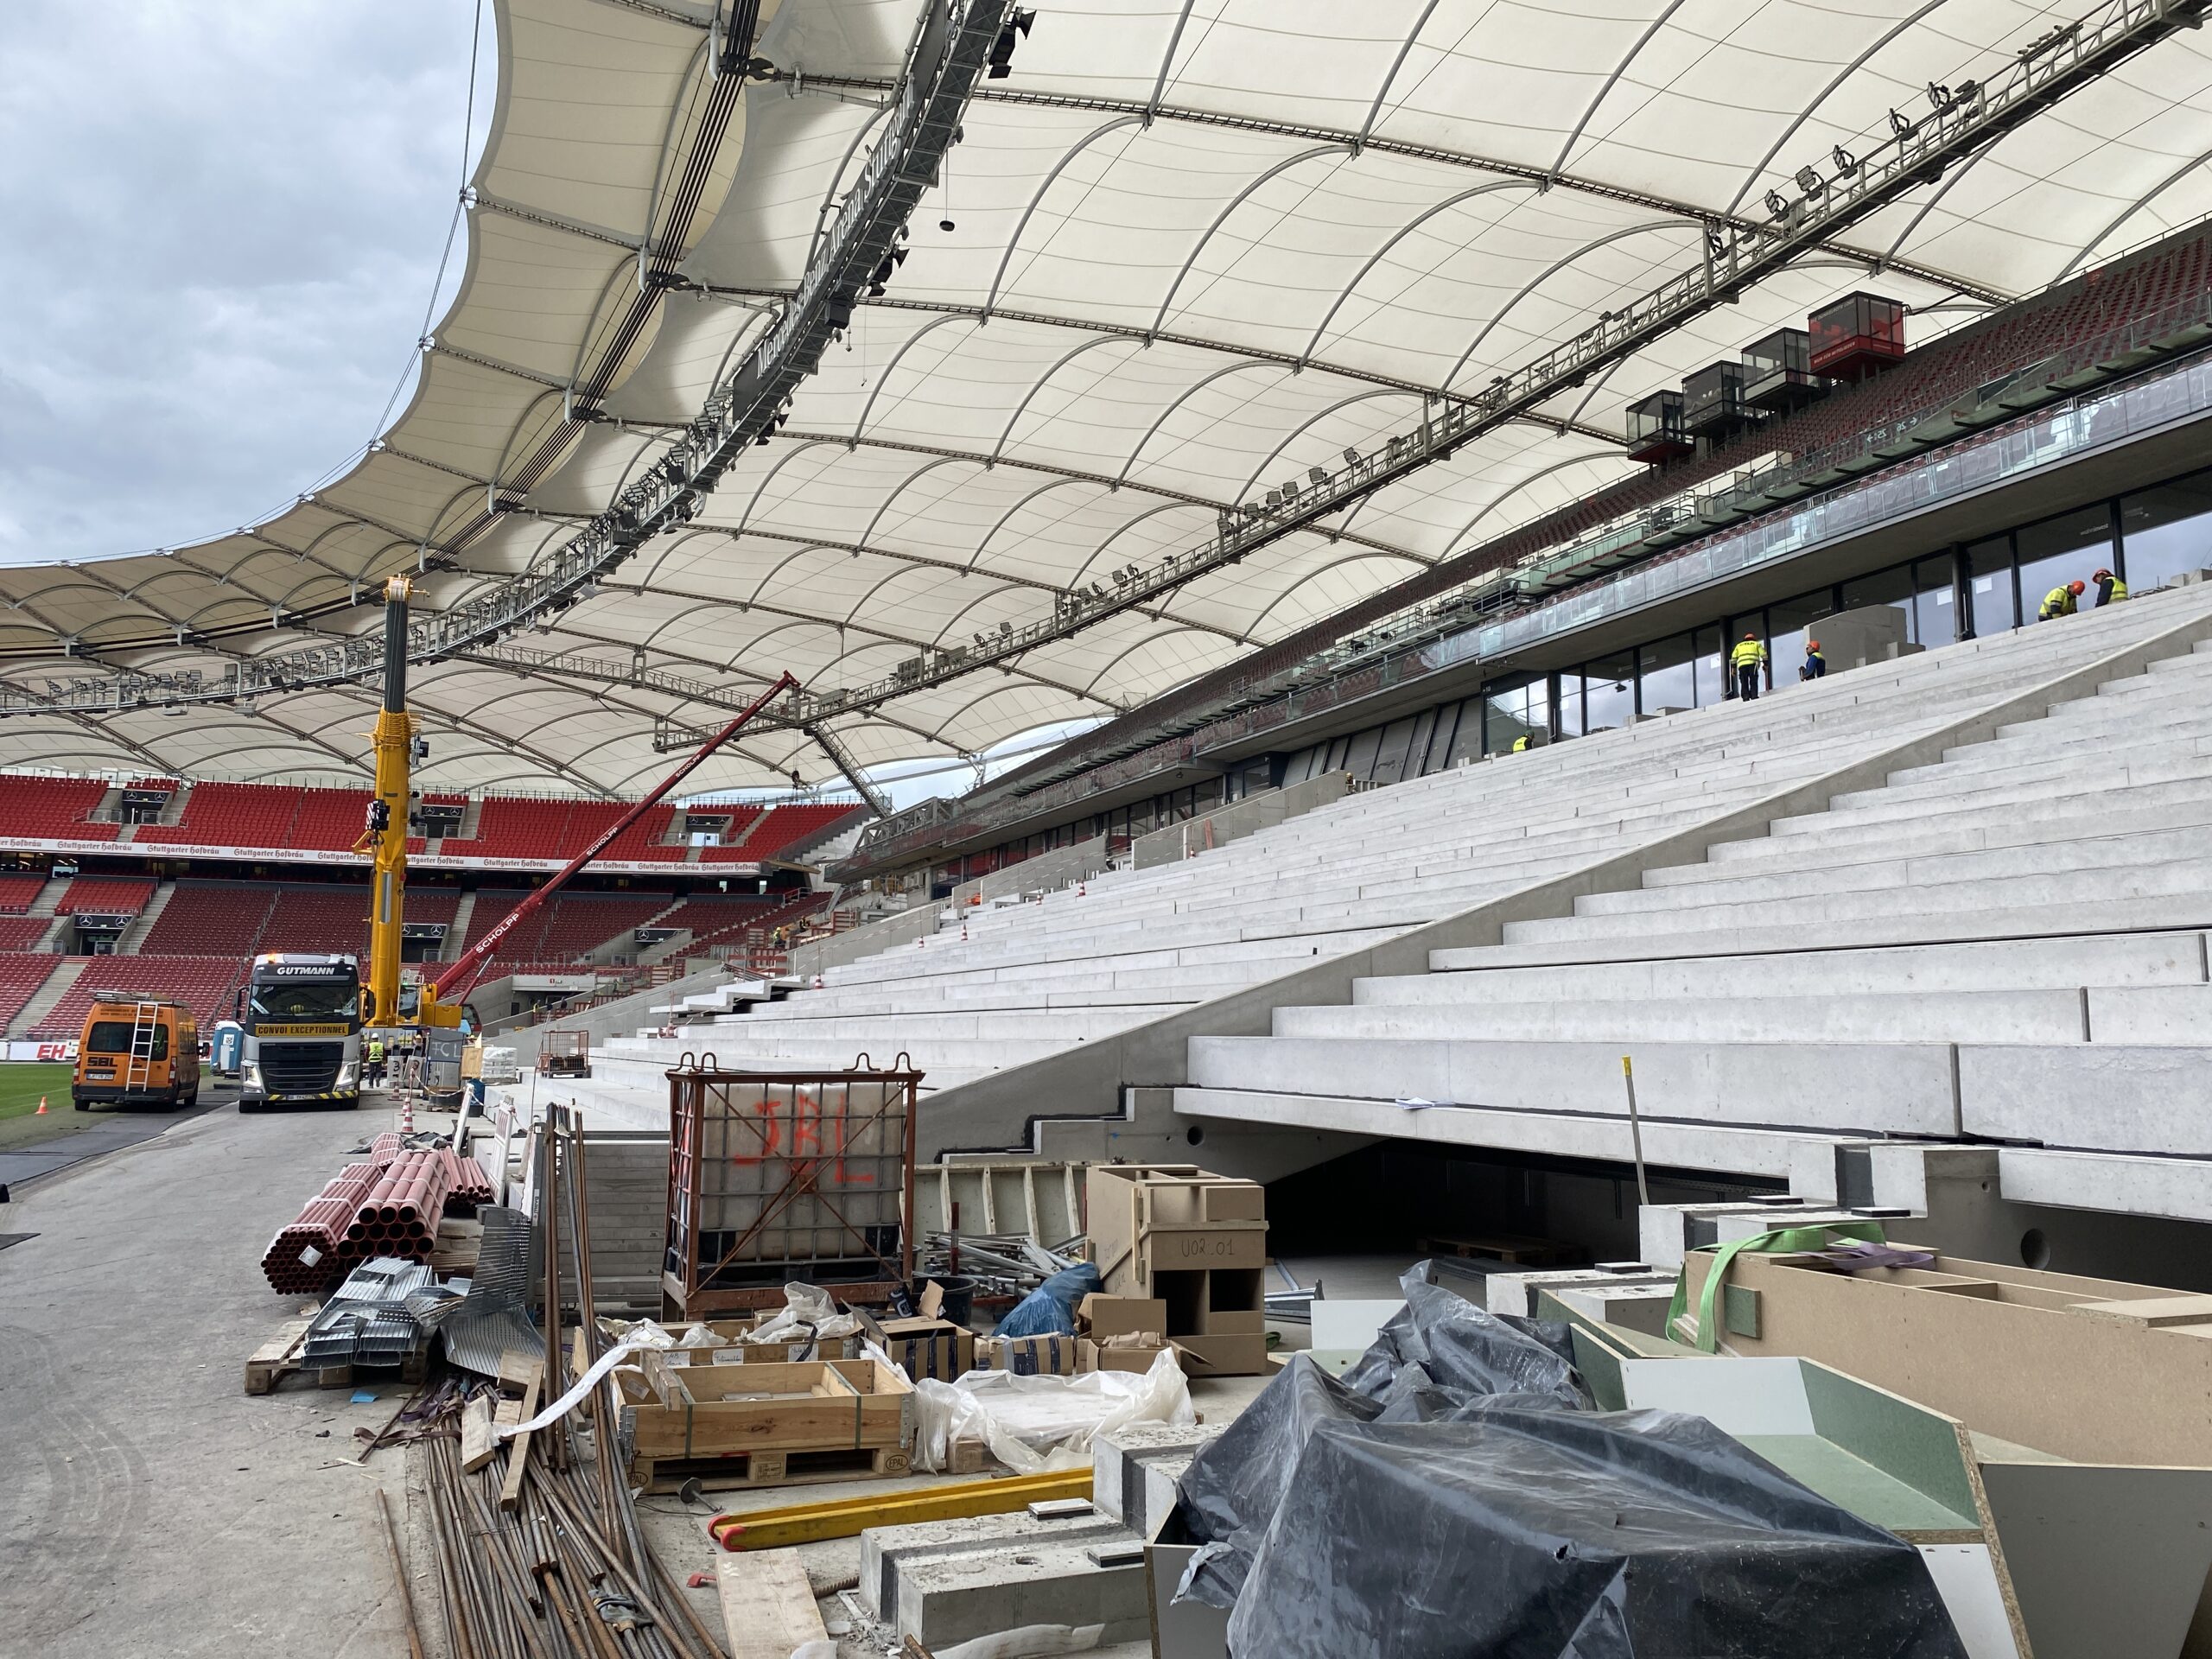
{"points": [[1119, 1459], [947, 1599], [1638, 1307], [883, 1549], [1516, 1292]]}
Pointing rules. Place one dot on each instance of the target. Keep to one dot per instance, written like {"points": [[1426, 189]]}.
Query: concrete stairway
{"points": [[1009, 986], [2002, 947], [128, 941], [67, 971]]}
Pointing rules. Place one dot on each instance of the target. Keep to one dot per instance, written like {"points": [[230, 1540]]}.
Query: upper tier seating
{"points": [[2004, 945], [643, 842], [778, 829], [19, 892], [514, 828], [51, 808], [206, 985], [330, 820], [105, 895], [20, 979], [1033, 979], [229, 814]]}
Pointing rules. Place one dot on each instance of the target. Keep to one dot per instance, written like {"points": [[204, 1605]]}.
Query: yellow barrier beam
{"points": [[847, 1518]]}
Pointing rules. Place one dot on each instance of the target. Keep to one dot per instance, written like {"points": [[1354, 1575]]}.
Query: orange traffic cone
{"points": [[41, 1107]]}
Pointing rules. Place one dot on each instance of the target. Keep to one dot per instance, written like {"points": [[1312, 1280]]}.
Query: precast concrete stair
{"points": [[2008, 945], [1004, 985]]}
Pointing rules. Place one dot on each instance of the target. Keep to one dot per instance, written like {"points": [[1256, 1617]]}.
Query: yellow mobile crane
{"points": [[385, 841]]}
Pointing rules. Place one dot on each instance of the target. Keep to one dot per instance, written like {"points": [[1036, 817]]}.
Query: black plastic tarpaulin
{"points": [[1454, 1495]]}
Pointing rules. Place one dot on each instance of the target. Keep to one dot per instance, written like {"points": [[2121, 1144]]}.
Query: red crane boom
{"points": [[462, 972]]}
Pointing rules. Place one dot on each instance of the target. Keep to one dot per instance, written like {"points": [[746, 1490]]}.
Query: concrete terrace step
{"points": [[2151, 806], [2055, 858], [2172, 1014], [1859, 1088], [1901, 928], [2064, 963], [1032, 980], [1815, 911]]}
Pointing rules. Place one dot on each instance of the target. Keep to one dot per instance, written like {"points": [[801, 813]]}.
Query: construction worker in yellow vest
{"points": [[2059, 601], [1521, 744], [1747, 659], [2110, 588], [1815, 666]]}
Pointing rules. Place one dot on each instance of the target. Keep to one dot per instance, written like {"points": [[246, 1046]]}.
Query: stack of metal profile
{"points": [[375, 1317], [493, 1320]]}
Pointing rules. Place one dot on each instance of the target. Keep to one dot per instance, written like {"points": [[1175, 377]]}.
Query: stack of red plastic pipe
{"points": [[303, 1256], [389, 1206]]}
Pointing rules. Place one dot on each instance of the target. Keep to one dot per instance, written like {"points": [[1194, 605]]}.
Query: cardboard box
{"points": [[926, 1347], [1046, 1356], [1106, 1316], [1243, 1356], [1133, 1352], [1151, 1218]]}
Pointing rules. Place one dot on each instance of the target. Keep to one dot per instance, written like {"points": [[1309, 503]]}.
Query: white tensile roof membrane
{"points": [[1196, 248]]}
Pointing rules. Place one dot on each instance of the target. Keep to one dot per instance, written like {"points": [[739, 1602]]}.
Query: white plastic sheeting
{"points": [[1196, 248]]}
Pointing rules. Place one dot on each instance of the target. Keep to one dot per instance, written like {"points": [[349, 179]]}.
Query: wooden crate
{"points": [[745, 1417], [745, 1469]]}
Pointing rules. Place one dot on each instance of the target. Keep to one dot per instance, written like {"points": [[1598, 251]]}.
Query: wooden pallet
{"points": [[1511, 1247], [277, 1360], [747, 1469]]}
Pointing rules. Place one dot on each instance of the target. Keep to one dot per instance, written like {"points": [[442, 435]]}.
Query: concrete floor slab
{"points": [[152, 1507]]}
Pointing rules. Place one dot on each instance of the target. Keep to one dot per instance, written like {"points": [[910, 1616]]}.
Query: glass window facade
{"points": [[1665, 677], [1519, 711], [2166, 533], [2072, 547], [2162, 532], [1991, 580], [1609, 693]]}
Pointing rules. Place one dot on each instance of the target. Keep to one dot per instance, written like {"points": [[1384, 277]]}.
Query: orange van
{"points": [[137, 1051]]}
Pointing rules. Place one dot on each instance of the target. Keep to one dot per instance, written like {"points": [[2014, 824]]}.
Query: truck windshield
{"points": [[296, 999]]}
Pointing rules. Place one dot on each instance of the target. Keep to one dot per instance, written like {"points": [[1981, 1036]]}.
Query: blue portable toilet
{"points": [[229, 1041]]}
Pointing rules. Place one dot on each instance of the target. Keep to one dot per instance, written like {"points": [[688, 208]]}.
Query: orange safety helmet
{"points": [[2076, 587], [2100, 576], [1812, 644], [1753, 635]]}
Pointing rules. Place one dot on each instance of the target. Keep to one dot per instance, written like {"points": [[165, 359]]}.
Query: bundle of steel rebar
{"points": [[539, 1552]]}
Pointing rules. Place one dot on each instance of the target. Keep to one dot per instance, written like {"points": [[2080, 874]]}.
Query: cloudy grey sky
{"points": [[218, 227]]}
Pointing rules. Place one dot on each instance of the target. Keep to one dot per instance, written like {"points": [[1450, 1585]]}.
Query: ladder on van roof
{"points": [[145, 1027]]}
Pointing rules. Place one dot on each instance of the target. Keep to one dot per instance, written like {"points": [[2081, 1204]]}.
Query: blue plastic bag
{"points": [[1050, 1308]]}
